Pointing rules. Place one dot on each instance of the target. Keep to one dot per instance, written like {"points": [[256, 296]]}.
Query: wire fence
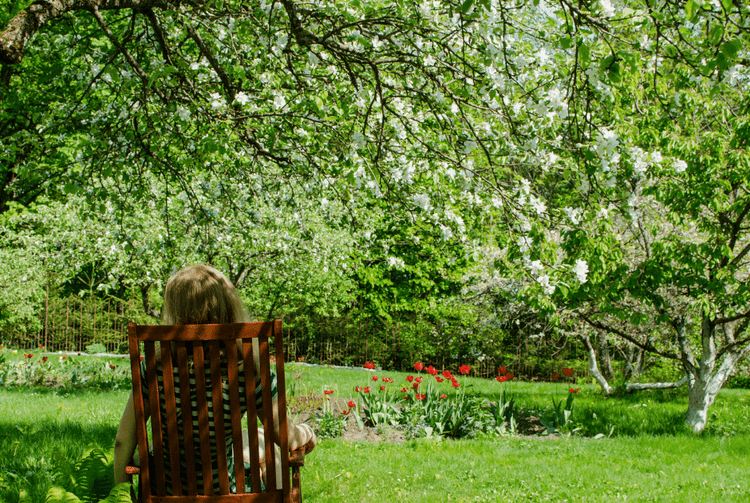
{"points": [[74, 324]]}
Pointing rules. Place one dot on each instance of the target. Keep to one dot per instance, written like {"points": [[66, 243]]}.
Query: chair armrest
{"points": [[297, 457]]}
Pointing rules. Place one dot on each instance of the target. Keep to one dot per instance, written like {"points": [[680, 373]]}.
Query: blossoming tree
{"points": [[602, 145]]}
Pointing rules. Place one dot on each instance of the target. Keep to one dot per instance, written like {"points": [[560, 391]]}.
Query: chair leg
{"points": [[296, 490]]}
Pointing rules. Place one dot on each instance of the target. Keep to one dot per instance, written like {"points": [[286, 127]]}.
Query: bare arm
{"points": [[125, 441]]}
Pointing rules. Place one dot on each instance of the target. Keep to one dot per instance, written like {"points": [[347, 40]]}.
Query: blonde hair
{"points": [[201, 294]]}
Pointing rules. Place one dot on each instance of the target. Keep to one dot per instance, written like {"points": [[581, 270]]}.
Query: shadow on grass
{"points": [[28, 450]]}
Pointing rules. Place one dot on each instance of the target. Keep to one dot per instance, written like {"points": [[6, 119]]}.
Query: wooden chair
{"points": [[175, 417]]}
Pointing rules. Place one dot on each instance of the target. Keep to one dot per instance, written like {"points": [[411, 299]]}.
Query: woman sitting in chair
{"points": [[196, 295]]}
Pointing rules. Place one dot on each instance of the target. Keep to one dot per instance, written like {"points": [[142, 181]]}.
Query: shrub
{"points": [[96, 348], [739, 382]]}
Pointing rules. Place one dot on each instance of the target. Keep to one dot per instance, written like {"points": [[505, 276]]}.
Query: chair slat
{"points": [[281, 398], [248, 359], [153, 394], [140, 414], [267, 411], [173, 440], [187, 418], [234, 405], [203, 431], [217, 395]]}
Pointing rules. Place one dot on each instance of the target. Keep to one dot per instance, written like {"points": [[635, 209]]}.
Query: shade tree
{"points": [[604, 142]]}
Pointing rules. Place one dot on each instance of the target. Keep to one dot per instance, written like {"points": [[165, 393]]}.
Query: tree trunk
{"points": [[147, 308], [593, 367], [604, 357], [704, 378]]}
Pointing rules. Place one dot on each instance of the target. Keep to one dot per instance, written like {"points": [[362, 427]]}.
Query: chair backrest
{"points": [[206, 364]]}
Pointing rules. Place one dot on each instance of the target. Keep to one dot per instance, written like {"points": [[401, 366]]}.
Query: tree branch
{"points": [[26, 23], [133, 63], [646, 347]]}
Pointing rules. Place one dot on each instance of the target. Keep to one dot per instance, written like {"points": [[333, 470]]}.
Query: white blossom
{"points": [[279, 102], [469, 145], [217, 101], [535, 266], [396, 263], [606, 143], [679, 165], [581, 270], [422, 201], [608, 10], [358, 140], [242, 98], [537, 204], [543, 281], [574, 214], [447, 232], [524, 243]]}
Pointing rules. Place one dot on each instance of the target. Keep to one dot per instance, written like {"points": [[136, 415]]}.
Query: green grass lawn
{"points": [[649, 456]]}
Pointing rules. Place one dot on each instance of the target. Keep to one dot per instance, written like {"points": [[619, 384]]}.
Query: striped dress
{"points": [[211, 425]]}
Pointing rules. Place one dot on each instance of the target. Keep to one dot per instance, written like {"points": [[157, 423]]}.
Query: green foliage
{"points": [[121, 493], [739, 382], [505, 413], [581, 166], [330, 424], [59, 495], [559, 419], [428, 408], [63, 371], [96, 348], [381, 407], [90, 479]]}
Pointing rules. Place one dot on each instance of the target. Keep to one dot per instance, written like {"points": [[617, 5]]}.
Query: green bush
{"points": [[739, 382], [96, 348]]}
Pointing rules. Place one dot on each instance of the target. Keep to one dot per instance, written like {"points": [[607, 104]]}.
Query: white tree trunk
{"points": [[704, 379], [593, 367], [704, 386]]}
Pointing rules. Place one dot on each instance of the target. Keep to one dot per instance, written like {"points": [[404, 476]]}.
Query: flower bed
{"points": [[58, 370]]}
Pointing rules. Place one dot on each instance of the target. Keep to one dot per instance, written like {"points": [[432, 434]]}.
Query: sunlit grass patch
{"points": [[682, 468]]}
